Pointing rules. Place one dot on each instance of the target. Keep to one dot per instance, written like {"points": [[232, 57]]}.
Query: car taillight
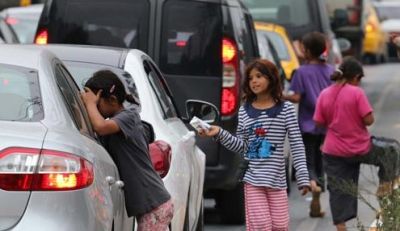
{"points": [[160, 155], [42, 37], [230, 78], [27, 169]]}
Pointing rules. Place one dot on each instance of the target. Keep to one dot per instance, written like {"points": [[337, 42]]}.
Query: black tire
{"points": [[230, 205], [200, 222]]}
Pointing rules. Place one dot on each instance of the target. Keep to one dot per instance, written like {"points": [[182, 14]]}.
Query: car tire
{"points": [[230, 205], [200, 221]]}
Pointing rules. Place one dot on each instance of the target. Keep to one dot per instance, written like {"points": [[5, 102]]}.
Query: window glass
{"points": [[160, 90], [191, 38], [279, 45], [81, 72], [71, 100], [263, 46], [286, 12], [104, 22], [24, 26], [20, 98], [388, 12]]}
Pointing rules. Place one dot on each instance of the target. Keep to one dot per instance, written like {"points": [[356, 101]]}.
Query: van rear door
{"points": [[189, 50]]}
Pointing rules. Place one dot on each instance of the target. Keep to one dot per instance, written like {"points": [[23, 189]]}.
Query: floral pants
{"points": [[158, 219]]}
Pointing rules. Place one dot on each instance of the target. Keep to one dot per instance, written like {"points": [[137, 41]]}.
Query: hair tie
{"points": [[339, 71], [112, 88]]}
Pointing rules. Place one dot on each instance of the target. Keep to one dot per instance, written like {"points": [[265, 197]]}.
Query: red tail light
{"points": [[160, 155], [231, 77], [42, 37], [26, 169]]}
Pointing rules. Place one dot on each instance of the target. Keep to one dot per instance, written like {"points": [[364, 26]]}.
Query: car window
{"points": [[81, 72], [24, 27], [70, 94], [20, 98], [279, 45], [263, 46], [7, 33], [191, 38], [102, 22], [160, 89]]}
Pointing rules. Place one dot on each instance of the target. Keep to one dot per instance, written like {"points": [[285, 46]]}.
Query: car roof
{"points": [[20, 55], [270, 27], [110, 56]]}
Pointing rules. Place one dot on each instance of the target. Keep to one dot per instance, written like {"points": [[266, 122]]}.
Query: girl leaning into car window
{"points": [[264, 120], [121, 133]]}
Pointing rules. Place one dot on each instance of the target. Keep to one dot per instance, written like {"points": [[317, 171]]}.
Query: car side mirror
{"points": [[201, 109], [344, 44], [340, 18]]}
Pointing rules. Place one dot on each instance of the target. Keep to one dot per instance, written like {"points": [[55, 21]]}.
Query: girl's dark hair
{"points": [[315, 43], [269, 71], [350, 68], [110, 84]]}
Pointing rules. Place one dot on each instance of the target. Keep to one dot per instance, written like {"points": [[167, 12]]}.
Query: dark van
{"points": [[201, 46]]}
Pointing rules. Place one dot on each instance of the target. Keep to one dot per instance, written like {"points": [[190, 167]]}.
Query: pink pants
{"points": [[266, 209], [158, 219]]}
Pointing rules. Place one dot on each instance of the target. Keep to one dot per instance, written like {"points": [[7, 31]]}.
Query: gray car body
{"points": [[94, 208]]}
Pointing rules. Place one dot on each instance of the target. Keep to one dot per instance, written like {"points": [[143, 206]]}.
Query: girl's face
{"points": [[258, 82], [106, 107]]}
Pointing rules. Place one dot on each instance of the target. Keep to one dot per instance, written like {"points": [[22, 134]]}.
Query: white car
{"points": [[143, 79]]}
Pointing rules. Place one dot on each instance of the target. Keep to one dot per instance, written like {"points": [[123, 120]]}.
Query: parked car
{"points": [[54, 174], [185, 176], [185, 38], [375, 38], [389, 16], [282, 43], [23, 20]]}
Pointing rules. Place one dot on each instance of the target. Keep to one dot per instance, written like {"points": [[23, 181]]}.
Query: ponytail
{"points": [[131, 99], [337, 75]]}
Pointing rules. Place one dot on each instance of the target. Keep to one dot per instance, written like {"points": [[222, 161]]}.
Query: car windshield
{"points": [[279, 45], [20, 98], [388, 12], [24, 27], [81, 72], [286, 12]]}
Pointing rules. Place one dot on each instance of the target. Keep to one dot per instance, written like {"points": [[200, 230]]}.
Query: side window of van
{"points": [[191, 38]]}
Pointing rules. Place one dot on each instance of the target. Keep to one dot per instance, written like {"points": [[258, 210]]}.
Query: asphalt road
{"points": [[382, 83]]}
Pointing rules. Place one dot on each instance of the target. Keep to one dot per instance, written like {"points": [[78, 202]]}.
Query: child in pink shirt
{"points": [[344, 110]]}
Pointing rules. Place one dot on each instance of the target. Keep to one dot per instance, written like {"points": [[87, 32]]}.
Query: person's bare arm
{"points": [[368, 119], [100, 125], [294, 98]]}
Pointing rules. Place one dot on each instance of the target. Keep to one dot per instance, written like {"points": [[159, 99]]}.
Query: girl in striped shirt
{"points": [[264, 120]]}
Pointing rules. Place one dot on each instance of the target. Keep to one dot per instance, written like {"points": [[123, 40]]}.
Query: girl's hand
{"points": [[89, 97], [213, 131], [304, 190]]}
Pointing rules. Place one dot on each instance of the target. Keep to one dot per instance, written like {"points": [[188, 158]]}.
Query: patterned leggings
{"points": [[266, 209], [158, 219]]}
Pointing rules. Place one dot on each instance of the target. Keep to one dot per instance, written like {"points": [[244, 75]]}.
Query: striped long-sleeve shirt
{"points": [[271, 124]]}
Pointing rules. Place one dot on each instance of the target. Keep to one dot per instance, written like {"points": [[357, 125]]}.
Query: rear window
{"points": [[24, 27], [191, 38], [20, 98], [81, 72], [101, 22], [279, 45]]}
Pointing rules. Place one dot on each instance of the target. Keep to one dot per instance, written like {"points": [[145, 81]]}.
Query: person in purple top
{"points": [[307, 83]]}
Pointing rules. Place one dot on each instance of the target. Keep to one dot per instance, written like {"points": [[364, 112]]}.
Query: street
{"points": [[381, 84]]}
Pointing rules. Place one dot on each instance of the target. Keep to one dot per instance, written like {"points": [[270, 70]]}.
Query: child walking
{"points": [[307, 83], [123, 137], [264, 120]]}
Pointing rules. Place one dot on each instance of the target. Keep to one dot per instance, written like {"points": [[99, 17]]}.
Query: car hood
{"points": [[17, 134]]}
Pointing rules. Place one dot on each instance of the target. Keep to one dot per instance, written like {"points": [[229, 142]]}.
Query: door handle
{"points": [[119, 183], [110, 180]]}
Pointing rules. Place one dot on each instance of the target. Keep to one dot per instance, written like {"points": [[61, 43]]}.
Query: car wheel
{"points": [[230, 205], [200, 221]]}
